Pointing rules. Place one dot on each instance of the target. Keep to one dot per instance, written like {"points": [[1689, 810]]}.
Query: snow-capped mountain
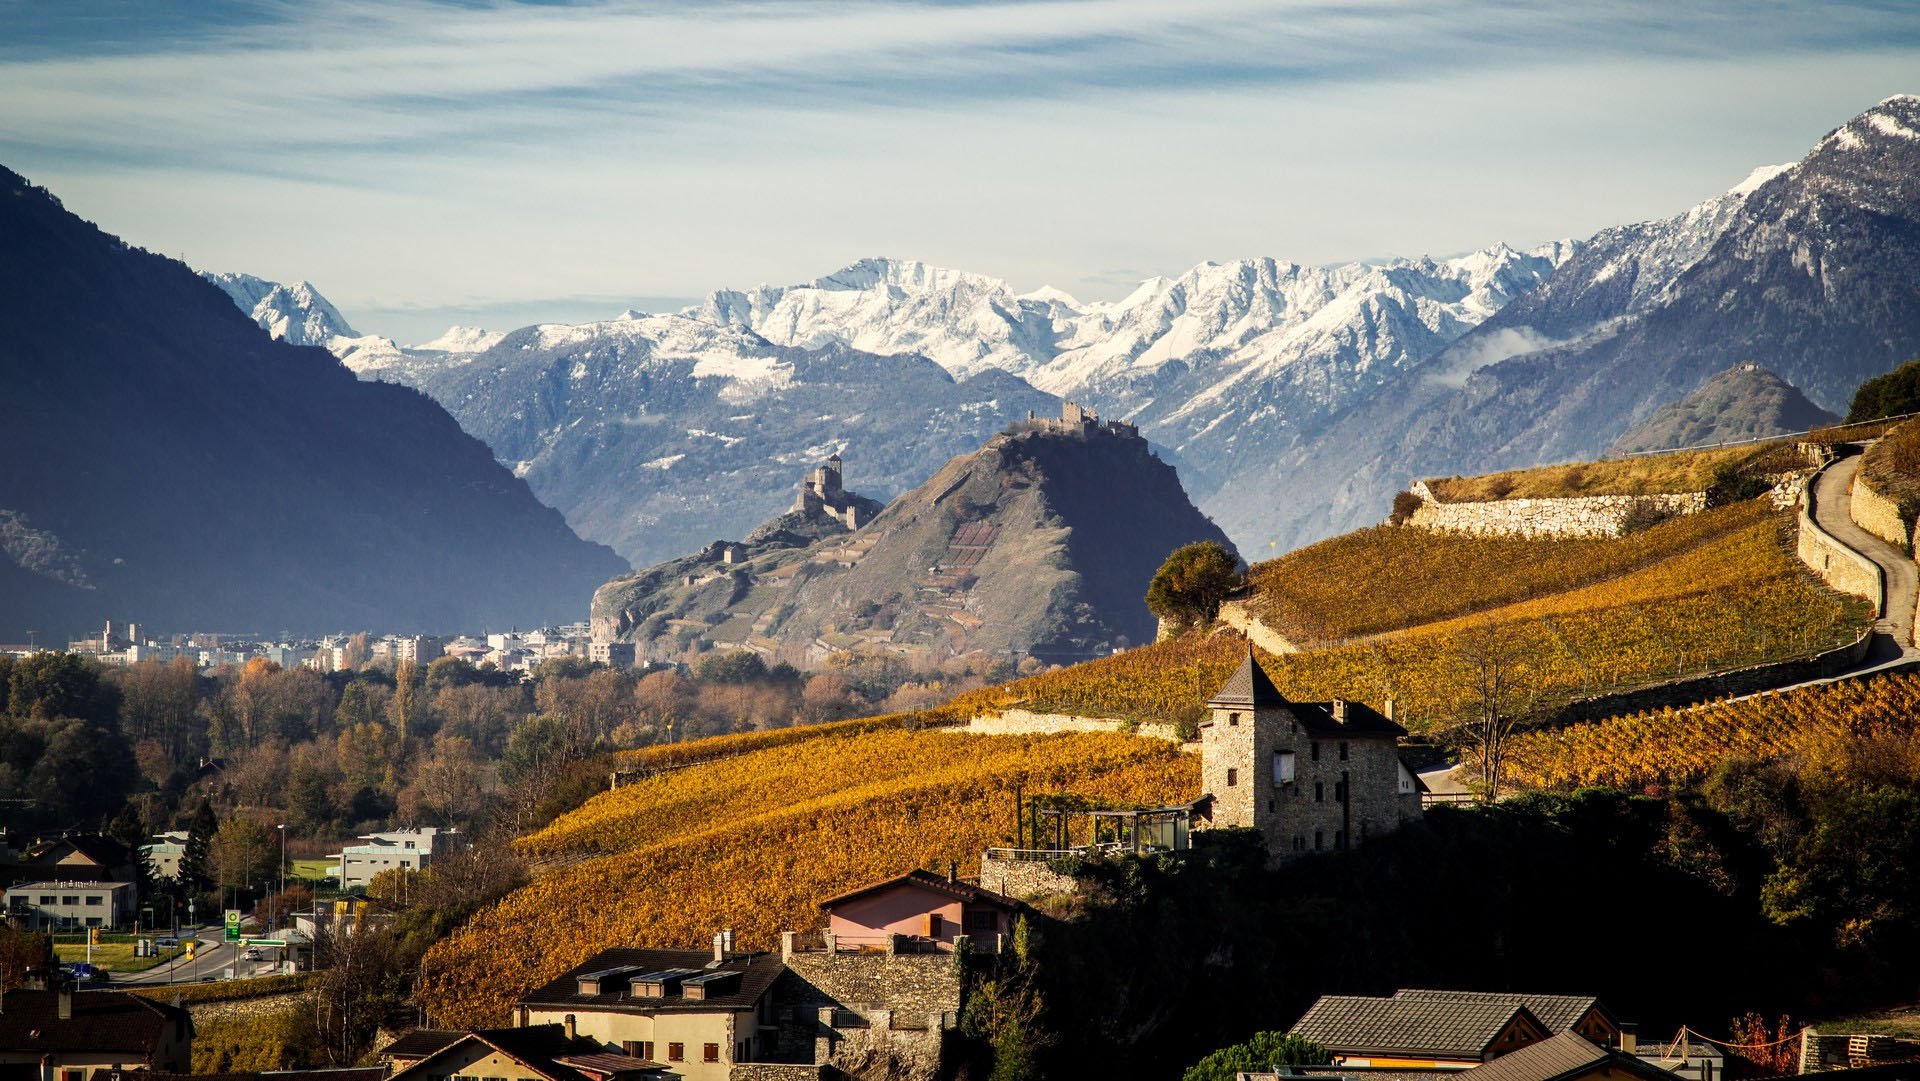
{"points": [[1810, 270], [660, 433], [295, 313]]}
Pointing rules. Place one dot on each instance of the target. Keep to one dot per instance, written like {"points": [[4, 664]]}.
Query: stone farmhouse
{"points": [[821, 492], [1310, 776], [739, 1016]]}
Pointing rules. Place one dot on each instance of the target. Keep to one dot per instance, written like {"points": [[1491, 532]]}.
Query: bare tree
{"points": [[1496, 700]]}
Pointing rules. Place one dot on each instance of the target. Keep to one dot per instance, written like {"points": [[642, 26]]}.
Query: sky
{"points": [[492, 163]]}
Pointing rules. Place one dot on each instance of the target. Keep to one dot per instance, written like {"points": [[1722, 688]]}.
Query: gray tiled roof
{"points": [[757, 973], [1442, 1028], [1557, 1012], [1564, 1056], [1248, 687]]}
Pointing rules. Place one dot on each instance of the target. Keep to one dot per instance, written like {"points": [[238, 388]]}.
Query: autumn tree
{"points": [[1496, 701], [404, 709], [1190, 586], [243, 853]]}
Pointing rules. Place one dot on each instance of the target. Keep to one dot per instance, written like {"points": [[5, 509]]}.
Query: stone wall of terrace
{"points": [[1572, 516]]}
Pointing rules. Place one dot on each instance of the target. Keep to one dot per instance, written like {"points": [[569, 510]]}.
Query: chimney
{"points": [[1388, 709], [953, 872], [570, 1028], [719, 947], [728, 934], [1629, 1038], [65, 999], [1339, 711]]}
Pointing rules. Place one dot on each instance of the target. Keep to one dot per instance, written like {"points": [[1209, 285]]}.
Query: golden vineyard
{"points": [[1726, 593], [1671, 747], [756, 841]]}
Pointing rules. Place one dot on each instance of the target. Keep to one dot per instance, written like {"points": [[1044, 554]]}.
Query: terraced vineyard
{"points": [[754, 843], [1390, 578], [1679, 746], [1736, 599]]}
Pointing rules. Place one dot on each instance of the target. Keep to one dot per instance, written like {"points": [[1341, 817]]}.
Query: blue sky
{"points": [[426, 163]]}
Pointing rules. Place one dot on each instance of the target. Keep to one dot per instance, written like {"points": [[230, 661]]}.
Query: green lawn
{"points": [[116, 956], [312, 870]]}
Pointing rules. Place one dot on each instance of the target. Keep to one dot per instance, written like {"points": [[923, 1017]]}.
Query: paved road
{"points": [[1832, 495], [212, 957]]}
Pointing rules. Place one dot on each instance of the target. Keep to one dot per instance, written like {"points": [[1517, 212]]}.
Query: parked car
{"points": [[167, 943], [253, 954]]}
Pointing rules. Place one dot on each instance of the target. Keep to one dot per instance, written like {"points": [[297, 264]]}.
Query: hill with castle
{"points": [[1039, 544]]}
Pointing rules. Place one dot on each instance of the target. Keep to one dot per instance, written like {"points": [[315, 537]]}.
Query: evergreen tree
{"points": [[196, 862]]}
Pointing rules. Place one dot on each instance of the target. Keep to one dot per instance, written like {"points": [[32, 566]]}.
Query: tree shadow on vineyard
{"points": [[1654, 905]]}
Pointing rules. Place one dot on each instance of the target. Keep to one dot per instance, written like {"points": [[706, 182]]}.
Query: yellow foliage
{"points": [[1678, 746], [755, 842], [1390, 578]]}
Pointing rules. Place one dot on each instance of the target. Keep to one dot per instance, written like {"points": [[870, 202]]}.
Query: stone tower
{"points": [[1310, 776]]}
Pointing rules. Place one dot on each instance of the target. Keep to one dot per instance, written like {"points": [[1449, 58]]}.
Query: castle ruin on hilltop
{"points": [[821, 492], [1077, 419]]}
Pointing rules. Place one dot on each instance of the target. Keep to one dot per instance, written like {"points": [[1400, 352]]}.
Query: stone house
{"points": [[752, 1016], [922, 905], [1310, 776]]}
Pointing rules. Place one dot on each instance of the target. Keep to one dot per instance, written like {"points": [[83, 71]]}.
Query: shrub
{"points": [[1404, 504]]}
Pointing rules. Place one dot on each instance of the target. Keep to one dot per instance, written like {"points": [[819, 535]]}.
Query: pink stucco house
{"points": [[922, 905]]}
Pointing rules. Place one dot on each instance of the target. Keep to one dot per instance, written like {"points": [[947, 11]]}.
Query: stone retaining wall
{"points": [[1021, 879], [1693, 691], [869, 1014], [1238, 614], [1838, 565], [1879, 515], [1021, 722], [1572, 516], [773, 1071], [227, 1009]]}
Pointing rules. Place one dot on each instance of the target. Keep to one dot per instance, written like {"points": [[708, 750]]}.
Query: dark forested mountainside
{"points": [[173, 464]]}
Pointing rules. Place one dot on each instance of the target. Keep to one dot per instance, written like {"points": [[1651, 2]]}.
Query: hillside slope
{"points": [[783, 829], [1744, 402], [1042, 542], [178, 467]]}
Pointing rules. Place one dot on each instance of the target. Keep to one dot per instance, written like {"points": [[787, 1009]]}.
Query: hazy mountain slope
{"points": [[183, 469], [657, 434], [1744, 402], [1814, 274], [1041, 542]]}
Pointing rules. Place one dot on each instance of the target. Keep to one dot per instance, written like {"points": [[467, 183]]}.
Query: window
{"points": [[1343, 750], [981, 922], [1299, 842], [45, 899], [1313, 748], [67, 899], [1283, 767], [1319, 840], [1339, 839], [93, 921], [1269, 806], [710, 1053], [1319, 792], [1339, 791], [1233, 777], [934, 927], [1233, 718], [639, 1049], [93, 900], [676, 1052]]}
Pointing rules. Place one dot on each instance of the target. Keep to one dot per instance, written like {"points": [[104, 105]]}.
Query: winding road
{"points": [[1832, 496]]}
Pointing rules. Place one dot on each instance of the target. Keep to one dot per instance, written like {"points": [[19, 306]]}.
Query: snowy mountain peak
{"points": [[458, 339], [1758, 177], [296, 313], [908, 274], [1895, 118]]}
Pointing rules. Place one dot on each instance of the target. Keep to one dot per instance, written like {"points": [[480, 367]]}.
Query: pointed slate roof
{"points": [[1248, 687]]}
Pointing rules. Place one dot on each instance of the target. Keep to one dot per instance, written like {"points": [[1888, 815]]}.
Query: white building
{"points": [[163, 855], [408, 849], [66, 906]]}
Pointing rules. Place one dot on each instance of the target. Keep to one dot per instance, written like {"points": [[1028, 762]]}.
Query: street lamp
{"points": [[283, 874]]}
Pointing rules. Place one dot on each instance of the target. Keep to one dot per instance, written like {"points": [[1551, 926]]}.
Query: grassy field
{"points": [[312, 870], [1685, 471], [115, 956]]}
